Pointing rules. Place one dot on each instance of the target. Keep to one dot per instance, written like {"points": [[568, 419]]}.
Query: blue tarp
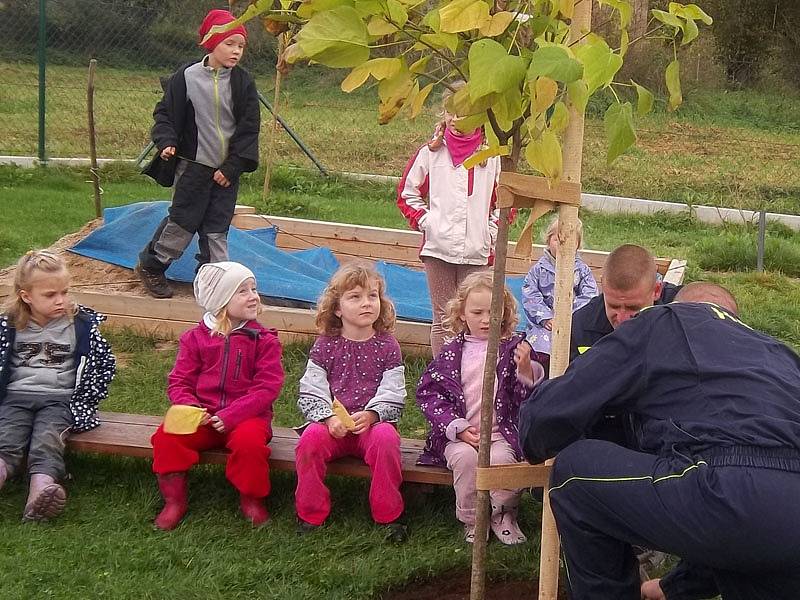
{"points": [[300, 276]]}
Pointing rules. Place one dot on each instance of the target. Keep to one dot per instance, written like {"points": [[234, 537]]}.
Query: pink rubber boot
{"points": [[174, 489]]}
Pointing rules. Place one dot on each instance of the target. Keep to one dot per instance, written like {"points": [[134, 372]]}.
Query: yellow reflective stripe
{"points": [[624, 479], [582, 349]]}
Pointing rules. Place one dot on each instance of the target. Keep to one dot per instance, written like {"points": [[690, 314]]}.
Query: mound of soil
{"points": [[455, 586], [89, 275]]}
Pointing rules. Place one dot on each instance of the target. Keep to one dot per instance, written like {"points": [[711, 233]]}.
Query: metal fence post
{"points": [[42, 58]]}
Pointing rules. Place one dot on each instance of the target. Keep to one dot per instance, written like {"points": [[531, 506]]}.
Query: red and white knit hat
{"points": [[218, 17]]}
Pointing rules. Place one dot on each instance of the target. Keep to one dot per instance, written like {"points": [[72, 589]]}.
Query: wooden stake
{"points": [[478, 580], [98, 209], [562, 320], [274, 130]]}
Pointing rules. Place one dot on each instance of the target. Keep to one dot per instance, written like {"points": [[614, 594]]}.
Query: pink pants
{"points": [[379, 446], [248, 463], [462, 460], [443, 281]]}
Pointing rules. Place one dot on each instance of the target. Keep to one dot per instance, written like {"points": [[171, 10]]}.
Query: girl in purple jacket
{"points": [[230, 366], [449, 394]]}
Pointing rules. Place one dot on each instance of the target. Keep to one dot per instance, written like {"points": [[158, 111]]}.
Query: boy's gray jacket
{"points": [[96, 366], [210, 116]]}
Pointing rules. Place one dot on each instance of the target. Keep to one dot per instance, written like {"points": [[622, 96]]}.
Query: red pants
{"points": [[379, 446], [247, 468]]}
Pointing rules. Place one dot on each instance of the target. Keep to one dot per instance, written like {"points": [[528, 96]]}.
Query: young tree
{"points": [[514, 55]]}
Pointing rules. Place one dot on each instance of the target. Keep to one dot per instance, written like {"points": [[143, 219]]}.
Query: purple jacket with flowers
{"points": [[441, 397]]}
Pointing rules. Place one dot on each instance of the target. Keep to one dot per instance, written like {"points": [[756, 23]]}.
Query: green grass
{"points": [[721, 148], [104, 545], [213, 554]]}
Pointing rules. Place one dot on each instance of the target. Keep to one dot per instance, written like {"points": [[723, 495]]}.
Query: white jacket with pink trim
{"points": [[453, 207]]}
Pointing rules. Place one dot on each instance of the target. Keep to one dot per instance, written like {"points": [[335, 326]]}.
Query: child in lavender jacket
{"points": [[539, 284], [449, 395]]}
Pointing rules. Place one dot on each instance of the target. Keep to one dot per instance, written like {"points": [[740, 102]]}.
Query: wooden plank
{"points": [[243, 209], [129, 435], [511, 477], [528, 188]]}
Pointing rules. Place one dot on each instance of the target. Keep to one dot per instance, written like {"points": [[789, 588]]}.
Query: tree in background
{"points": [[520, 70]]}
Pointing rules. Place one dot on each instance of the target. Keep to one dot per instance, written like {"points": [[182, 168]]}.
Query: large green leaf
{"points": [[556, 63], [419, 100], [463, 15], [645, 99], [690, 11], [668, 18], [673, 77], [440, 40], [492, 70], [486, 154], [308, 9], [544, 155], [600, 63], [623, 7], [497, 24], [544, 91], [620, 133], [690, 32], [393, 92], [367, 8], [397, 13], [379, 68], [378, 26], [335, 38], [559, 119], [578, 94]]}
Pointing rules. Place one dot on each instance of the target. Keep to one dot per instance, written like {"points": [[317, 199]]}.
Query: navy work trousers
{"points": [[741, 522]]}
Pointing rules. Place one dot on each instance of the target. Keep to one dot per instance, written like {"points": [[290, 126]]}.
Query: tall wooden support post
{"points": [[98, 209], [478, 580], [562, 320], [272, 138]]}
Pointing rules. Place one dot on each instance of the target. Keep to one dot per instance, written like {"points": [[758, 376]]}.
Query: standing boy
{"points": [[206, 132]]}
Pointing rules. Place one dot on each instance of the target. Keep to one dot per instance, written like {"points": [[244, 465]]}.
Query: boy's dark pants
{"points": [[38, 424], [739, 521], [199, 205]]}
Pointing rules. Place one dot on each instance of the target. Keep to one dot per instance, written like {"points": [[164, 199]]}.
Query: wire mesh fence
{"points": [[45, 55]]}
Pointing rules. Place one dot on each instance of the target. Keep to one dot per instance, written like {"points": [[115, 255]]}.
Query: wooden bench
{"points": [[129, 435]]}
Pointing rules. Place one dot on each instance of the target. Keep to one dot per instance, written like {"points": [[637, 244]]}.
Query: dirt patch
{"points": [[455, 586], [89, 275]]}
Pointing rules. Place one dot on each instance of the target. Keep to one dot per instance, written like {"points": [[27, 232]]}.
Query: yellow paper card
{"points": [[340, 411], [182, 419]]}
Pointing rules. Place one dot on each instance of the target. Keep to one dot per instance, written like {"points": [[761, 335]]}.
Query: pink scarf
{"points": [[462, 147]]}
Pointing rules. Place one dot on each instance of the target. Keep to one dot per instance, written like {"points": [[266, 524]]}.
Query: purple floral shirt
{"points": [[440, 397]]}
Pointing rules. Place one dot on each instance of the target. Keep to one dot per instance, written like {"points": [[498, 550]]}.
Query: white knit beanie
{"points": [[216, 283]]}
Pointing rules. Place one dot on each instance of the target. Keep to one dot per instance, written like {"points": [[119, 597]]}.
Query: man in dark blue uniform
{"points": [[712, 473]]}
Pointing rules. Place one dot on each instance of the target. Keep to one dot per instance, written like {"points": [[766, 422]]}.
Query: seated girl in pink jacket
{"points": [[230, 366]]}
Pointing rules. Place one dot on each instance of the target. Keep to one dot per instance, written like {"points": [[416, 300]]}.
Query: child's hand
{"points": [[335, 427], [364, 419], [205, 420], [470, 436], [548, 324], [522, 358], [168, 152], [217, 424], [220, 179]]}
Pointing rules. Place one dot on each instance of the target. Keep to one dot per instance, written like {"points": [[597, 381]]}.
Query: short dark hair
{"points": [[705, 291], [628, 266]]}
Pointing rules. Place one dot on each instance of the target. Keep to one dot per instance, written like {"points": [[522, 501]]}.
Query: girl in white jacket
{"points": [[453, 207]]}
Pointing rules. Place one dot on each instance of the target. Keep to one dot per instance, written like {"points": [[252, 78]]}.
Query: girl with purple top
{"points": [[539, 285], [356, 360], [449, 394]]}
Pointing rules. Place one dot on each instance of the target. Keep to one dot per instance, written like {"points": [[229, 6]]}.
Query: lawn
{"points": [[737, 149], [104, 545]]}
